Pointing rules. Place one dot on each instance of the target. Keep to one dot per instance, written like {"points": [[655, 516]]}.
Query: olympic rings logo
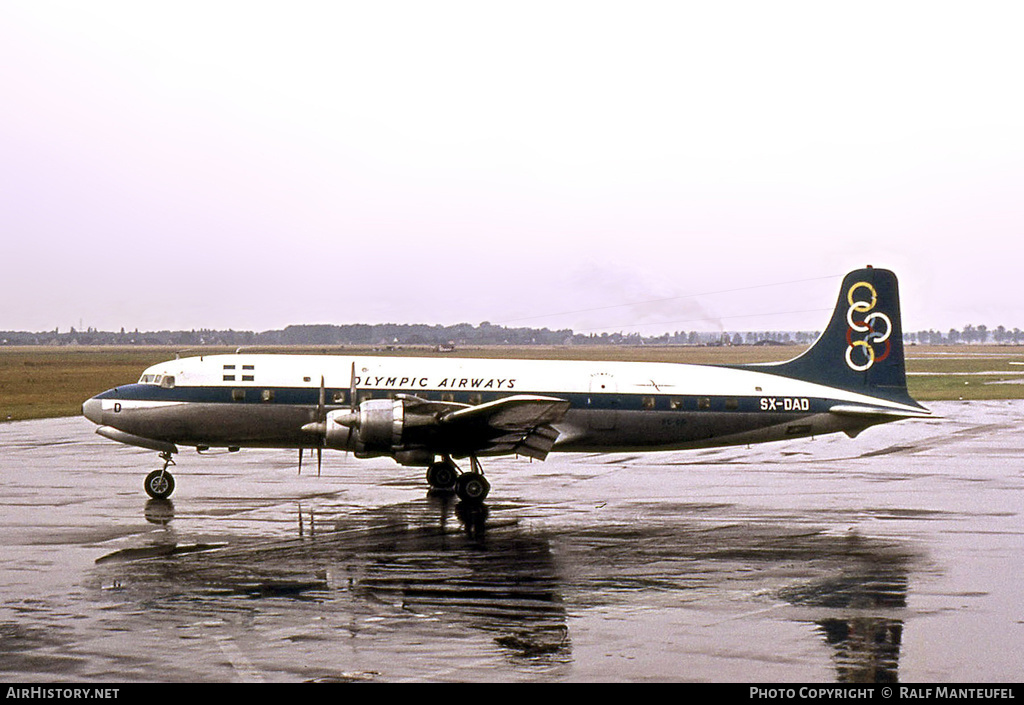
{"points": [[877, 328]]}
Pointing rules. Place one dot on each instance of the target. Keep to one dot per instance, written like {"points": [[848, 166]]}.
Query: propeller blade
{"points": [[321, 418], [300, 461], [352, 388], [320, 413]]}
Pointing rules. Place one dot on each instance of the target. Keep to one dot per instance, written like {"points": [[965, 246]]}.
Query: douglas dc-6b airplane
{"points": [[427, 411]]}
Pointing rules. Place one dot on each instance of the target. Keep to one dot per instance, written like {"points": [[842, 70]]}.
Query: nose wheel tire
{"points": [[159, 484], [472, 487]]}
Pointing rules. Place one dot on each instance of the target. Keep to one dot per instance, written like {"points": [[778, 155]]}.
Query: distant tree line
{"points": [[969, 334], [393, 334]]}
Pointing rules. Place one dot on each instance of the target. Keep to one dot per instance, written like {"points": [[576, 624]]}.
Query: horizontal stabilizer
{"points": [[878, 412]]}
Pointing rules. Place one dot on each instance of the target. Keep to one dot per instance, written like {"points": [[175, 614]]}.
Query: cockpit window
{"points": [[165, 381]]}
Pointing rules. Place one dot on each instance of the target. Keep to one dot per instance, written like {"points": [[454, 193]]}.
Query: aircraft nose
{"points": [[92, 410]]}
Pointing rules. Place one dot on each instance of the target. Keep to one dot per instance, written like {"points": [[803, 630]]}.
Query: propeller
{"points": [[321, 419], [319, 427], [351, 419]]}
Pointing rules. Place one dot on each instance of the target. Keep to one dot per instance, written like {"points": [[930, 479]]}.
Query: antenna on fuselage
{"points": [[178, 353]]}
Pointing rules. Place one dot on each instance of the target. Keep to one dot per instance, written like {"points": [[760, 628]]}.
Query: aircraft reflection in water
{"points": [[414, 559], [518, 585], [867, 647]]}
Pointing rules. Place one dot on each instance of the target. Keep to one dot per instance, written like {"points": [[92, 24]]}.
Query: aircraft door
{"points": [[603, 402]]}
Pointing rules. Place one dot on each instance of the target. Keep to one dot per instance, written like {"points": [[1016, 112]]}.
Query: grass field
{"points": [[44, 382]]}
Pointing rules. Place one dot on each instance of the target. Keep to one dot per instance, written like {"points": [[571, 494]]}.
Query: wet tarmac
{"points": [[895, 556]]}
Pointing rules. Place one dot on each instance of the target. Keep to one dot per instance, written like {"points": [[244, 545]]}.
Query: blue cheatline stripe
{"points": [[310, 396]]}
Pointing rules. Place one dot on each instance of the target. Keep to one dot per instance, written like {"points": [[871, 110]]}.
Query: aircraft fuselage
{"points": [[417, 409], [261, 400]]}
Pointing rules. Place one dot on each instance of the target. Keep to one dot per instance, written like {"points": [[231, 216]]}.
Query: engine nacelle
{"points": [[376, 427], [381, 423], [417, 457], [336, 435]]}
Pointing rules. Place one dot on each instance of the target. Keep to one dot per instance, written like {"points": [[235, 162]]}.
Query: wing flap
{"points": [[532, 444]]}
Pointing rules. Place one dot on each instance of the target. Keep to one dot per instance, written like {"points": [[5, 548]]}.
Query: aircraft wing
{"points": [[520, 424]]}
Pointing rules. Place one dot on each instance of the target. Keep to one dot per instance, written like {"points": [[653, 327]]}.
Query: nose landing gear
{"points": [[159, 484]]}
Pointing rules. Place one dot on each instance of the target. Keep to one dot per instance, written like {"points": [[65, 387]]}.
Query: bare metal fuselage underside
{"points": [[590, 425]]}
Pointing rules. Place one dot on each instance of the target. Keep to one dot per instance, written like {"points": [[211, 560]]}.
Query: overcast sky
{"points": [[252, 165]]}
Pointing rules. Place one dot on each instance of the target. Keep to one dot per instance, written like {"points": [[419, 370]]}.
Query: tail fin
{"points": [[861, 350]]}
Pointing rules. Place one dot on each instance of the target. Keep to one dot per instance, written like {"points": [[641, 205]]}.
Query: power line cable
{"points": [[671, 298], [717, 318]]}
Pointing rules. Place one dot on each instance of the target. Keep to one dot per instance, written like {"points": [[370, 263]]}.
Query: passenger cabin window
{"points": [[237, 395], [338, 397], [732, 404], [268, 395], [648, 402], [703, 402], [675, 403]]}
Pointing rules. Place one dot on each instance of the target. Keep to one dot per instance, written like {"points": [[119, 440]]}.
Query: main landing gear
{"points": [[445, 476], [159, 484], [472, 486]]}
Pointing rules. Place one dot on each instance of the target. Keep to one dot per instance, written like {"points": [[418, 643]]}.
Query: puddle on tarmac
{"points": [[833, 560]]}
